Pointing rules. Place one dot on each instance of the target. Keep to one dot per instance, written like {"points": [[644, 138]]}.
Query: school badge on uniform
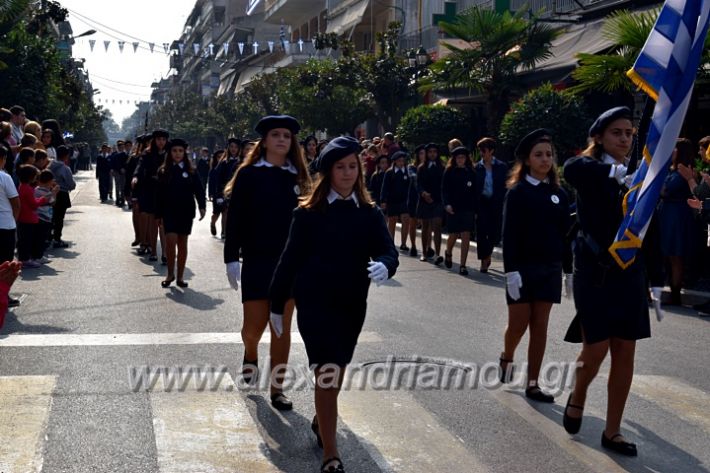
{"points": [[297, 190], [469, 184], [554, 199], [185, 175]]}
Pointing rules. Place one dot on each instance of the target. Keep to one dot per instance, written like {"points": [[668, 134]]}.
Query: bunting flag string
{"points": [[106, 45], [135, 46], [166, 47], [121, 44], [271, 46], [92, 43], [151, 46]]}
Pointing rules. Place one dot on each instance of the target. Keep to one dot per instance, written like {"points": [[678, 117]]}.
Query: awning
{"points": [[248, 75], [226, 82], [348, 18], [579, 38]]}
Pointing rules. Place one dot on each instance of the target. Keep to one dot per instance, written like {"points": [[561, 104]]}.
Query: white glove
{"points": [[618, 172], [656, 298], [628, 180], [513, 282], [277, 323], [378, 272], [234, 274], [568, 280], [220, 201]]}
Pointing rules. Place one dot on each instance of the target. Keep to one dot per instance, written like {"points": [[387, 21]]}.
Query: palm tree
{"points": [[500, 45], [10, 12]]}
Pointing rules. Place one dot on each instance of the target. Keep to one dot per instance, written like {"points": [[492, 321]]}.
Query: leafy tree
{"points": [[562, 113], [499, 46], [432, 123], [11, 11]]}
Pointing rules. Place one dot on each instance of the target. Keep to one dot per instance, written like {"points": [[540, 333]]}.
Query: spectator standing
{"points": [[65, 184]]}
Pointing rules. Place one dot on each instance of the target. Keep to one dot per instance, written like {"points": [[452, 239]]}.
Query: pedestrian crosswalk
{"points": [[222, 431]]}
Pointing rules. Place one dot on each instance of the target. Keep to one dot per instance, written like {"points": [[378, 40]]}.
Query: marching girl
{"points": [[178, 188], [459, 197], [430, 209], [145, 185], [263, 194], [491, 175], [413, 201], [227, 166], [611, 303], [395, 196], [131, 195], [331, 289], [212, 192], [309, 148], [536, 221], [378, 177]]}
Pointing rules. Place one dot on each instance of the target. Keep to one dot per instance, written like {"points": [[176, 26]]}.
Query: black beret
{"points": [[177, 142], [160, 133], [336, 150], [277, 121], [431, 145], [607, 117], [523, 149], [399, 154], [460, 150], [419, 148], [234, 140]]}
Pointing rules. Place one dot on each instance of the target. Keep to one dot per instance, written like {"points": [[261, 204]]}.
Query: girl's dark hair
{"points": [[3, 152], [225, 154], [308, 139], [46, 176], [27, 173], [685, 153], [215, 159], [164, 168], [25, 154], [318, 198], [520, 169], [53, 125], [452, 161]]}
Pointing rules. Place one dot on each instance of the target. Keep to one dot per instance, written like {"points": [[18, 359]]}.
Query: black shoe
{"points": [[572, 424], [316, 430], [507, 371], [60, 244], [153, 258], [439, 260], [403, 247], [332, 468], [448, 262], [413, 252], [142, 250], [463, 271], [622, 447], [536, 394], [135, 243], [167, 282], [281, 402], [12, 302], [430, 253], [423, 258], [164, 260], [250, 371], [181, 284], [213, 229]]}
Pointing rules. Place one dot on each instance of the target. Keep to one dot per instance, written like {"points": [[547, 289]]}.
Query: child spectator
{"points": [[44, 212], [28, 221]]}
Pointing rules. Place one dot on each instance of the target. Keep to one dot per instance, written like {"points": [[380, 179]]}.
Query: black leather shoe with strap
{"points": [[621, 446], [329, 467], [572, 424], [281, 402]]}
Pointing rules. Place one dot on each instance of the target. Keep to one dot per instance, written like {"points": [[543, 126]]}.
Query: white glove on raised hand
{"points": [[618, 172], [220, 201], [629, 180], [234, 274], [513, 283], [378, 272], [656, 298], [569, 285], [277, 323]]}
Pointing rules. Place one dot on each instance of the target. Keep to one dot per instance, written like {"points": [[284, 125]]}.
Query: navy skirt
{"points": [[257, 272], [541, 283]]}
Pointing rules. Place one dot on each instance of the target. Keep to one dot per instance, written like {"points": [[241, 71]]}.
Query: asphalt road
{"points": [[90, 321]]}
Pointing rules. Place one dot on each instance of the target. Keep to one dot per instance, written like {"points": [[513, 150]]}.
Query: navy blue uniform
{"points": [[489, 210], [258, 219], [146, 174], [610, 302], [375, 186], [330, 286], [395, 191], [176, 194], [458, 190], [429, 177]]}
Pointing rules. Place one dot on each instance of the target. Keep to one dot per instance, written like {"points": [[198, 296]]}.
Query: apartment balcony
{"points": [[294, 12]]}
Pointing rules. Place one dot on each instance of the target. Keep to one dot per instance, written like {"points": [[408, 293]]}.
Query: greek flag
{"points": [[665, 70]]}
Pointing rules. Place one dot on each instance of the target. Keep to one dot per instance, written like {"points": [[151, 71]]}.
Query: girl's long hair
{"points": [[164, 169], [295, 155], [318, 198], [520, 169], [452, 162]]}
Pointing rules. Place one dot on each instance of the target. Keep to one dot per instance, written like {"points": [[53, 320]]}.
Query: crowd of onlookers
{"points": [[35, 181]]}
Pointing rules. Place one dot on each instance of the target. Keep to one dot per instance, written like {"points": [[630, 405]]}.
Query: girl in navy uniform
{"points": [[263, 194], [375, 187], [178, 188], [227, 166], [212, 191], [430, 209], [611, 303], [131, 195], [413, 201], [145, 184], [395, 195], [338, 243], [459, 197], [491, 175], [536, 221]]}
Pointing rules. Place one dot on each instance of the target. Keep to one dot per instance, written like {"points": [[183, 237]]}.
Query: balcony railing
{"points": [[550, 7]]}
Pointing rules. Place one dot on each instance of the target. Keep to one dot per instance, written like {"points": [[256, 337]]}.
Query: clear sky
{"points": [[124, 78]]}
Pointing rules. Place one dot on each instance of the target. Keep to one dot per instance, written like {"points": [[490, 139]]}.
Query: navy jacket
{"points": [[500, 176], [395, 187], [459, 189]]}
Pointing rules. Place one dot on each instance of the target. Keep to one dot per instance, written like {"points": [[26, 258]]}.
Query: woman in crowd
{"points": [[47, 139], [430, 209], [536, 221], [676, 220], [459, 198], [264, 192], [491, 175], [145, 186], [394, 197], [227, 166], [310, 144], [178, 188], [331, 289], [611, 303]]}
